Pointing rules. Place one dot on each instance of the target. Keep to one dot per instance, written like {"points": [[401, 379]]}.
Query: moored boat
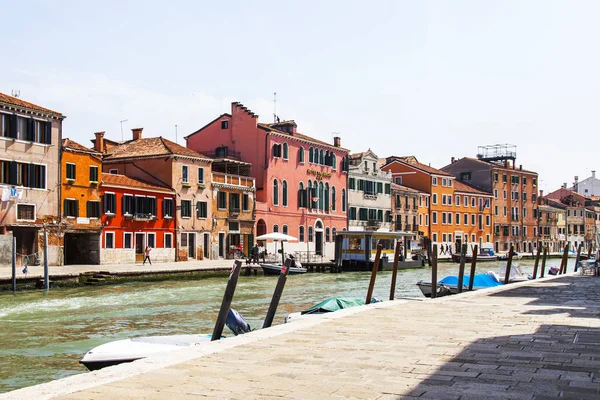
{"points": [[504, 257], [485, 254], [449, 285], [275, 269], [331, 304]]}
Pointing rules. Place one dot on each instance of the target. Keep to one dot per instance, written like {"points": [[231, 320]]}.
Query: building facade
{"points": [[30, 142], [405, 210], [81, 223], [551, 217], [300, 181], [580, 220], [515, 192], [163, 163], [369, 194], [136, 214], [587, 187]]}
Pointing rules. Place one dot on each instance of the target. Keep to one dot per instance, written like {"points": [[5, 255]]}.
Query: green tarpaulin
{"points": [[335, 303]]}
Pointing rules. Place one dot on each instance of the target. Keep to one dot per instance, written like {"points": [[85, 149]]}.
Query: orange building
{"points": [[442, 210], [80, 223]]}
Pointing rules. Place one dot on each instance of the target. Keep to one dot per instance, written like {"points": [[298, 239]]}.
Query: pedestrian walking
{"points": [[255, 252], [147, 255]]}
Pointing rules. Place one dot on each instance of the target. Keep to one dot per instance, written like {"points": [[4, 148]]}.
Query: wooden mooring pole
{"points": [[578, 258], [46, 273], [473, 264], [226, 303], [395, 269], [537, 260], [461, 268], [429, 252], [434, 272], [543, 262], [373, 274], [508, 264], [285, 270], [14, 264], [563, 261]]}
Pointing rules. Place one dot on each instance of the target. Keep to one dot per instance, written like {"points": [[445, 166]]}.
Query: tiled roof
{"points": [[412, 161], [147, 147], [499, 166], [14, 101], [268, 127], [464, 188], [70, 144], [395, 186], [122, 180]]}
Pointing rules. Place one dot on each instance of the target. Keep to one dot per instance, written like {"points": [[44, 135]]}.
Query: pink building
{"points": [[301, 182]]}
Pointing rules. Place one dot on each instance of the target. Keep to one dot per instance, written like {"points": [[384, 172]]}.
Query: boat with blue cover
{"points": [[449, 285]]}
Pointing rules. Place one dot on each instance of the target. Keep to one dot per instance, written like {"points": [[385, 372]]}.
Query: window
{"points": [[284, 229], [465, 219], [443, 199], [398, 180], [200, 175], [504, 178], [185, 174], [426, 219], [311, 157], [444, 220], [284, 194], [93, 209], [457, 218], [275, 228], [473, 219], [26, 212], [186, 208], [333, 161], [110, 203], [449, 218], [71, 171], [109, 240], [473, 203], [168, 208], [224, 124], [276, 150], [93, 173], [151, 240], [434, 217], [201, 209], [333, 198], [496, 210], [275, 192], [301, 234], [444, 182], [245, 202], [495, 180], [333, 234], [434, 181], [327, 237], [352, 183], [434, 237], [26, 175], [222, 200], [128, 205], [524, 212], [113, 171], [234, 202], [363, 214], [495, 193], [168, 240], [127, 240], [310, 233], [343, 200], [487, 221], [443, 237], [457, 200], [71, 208], [466, 201], [285, 151], [352, 214], [301, 155], [434, 198]]}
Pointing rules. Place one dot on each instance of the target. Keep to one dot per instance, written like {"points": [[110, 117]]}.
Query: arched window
{"points": [[301, 234], [388, 216], [326, 196], [311, 157], [284, 198], [275, 192], [285, 151], [321, 157], [284, 229], [327, 238], [301, 196], [275, 228], [333, 198], [276, 150], [333, 161], [310, 233], [309, 203], [333, 234], [321, 196], [342, 163], [343, 200], [301, 155]]}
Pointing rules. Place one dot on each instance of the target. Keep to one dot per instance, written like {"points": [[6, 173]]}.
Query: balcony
{"points": [[243, 182], [373, 223], [370, 195], [408, 227], [234, 211], [144, 217]]}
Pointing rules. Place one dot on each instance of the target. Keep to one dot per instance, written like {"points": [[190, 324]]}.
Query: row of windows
{"points": [[315, 156], [202, 206], [445, 182], [137, 205], [369, 187], [128, 242], [447, 201], [316, 195], [447, 219], [20, 174], [398, 202], [514, 179], [24, 128], [71, 208], [447, 238], [71, 172], [369, 214], [514, 212], [185, 174], [329, 234]]}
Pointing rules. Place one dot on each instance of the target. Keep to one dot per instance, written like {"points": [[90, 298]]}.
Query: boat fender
{"points": [[237, 323]]}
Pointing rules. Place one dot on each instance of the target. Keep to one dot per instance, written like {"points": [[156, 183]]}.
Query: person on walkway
{"points": [[255, 251], [147, 255]]}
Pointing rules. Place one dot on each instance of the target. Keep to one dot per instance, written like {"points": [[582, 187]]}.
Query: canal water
{"points": [[45, 334]]}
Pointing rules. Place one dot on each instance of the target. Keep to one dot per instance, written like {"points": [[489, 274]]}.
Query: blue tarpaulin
{"points": [[481, 281]]}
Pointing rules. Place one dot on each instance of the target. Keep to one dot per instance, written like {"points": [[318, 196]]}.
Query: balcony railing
{"points": [[373, 223], [235, 180], [234, 211], [370, 195], [143, 217]]}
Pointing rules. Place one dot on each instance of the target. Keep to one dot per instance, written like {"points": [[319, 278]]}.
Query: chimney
{"points": [[137, 133], [452, 159], [520, 167], [337, 141], [593, 175], [576, 184], [99, 142], [564, 185], [505, 163]]}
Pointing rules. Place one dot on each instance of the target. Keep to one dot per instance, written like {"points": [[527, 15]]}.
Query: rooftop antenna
{"points": [[175, 133], [274, 107], [125, 120], [15, 93]]}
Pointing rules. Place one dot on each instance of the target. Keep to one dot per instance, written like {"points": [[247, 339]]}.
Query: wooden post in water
{"points": [[434, 273], [563, 262], [508, 264], [543, 262], [373, 274], [395, 270], [589, 251], [461, 268], [428, 247], [226, 303], [473, 263], [285, 270], [537, 261], [14, 264], [46, 273], [578, 258]]}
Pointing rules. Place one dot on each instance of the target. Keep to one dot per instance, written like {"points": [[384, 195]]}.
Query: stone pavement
{"points": [[531, 340], [74, 270]]}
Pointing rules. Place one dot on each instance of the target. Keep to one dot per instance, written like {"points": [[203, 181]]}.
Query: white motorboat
{"points": [[516, 274], [128, 350]]}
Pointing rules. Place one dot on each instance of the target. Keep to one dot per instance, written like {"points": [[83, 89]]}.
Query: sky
{"points": [[433, 79]]}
